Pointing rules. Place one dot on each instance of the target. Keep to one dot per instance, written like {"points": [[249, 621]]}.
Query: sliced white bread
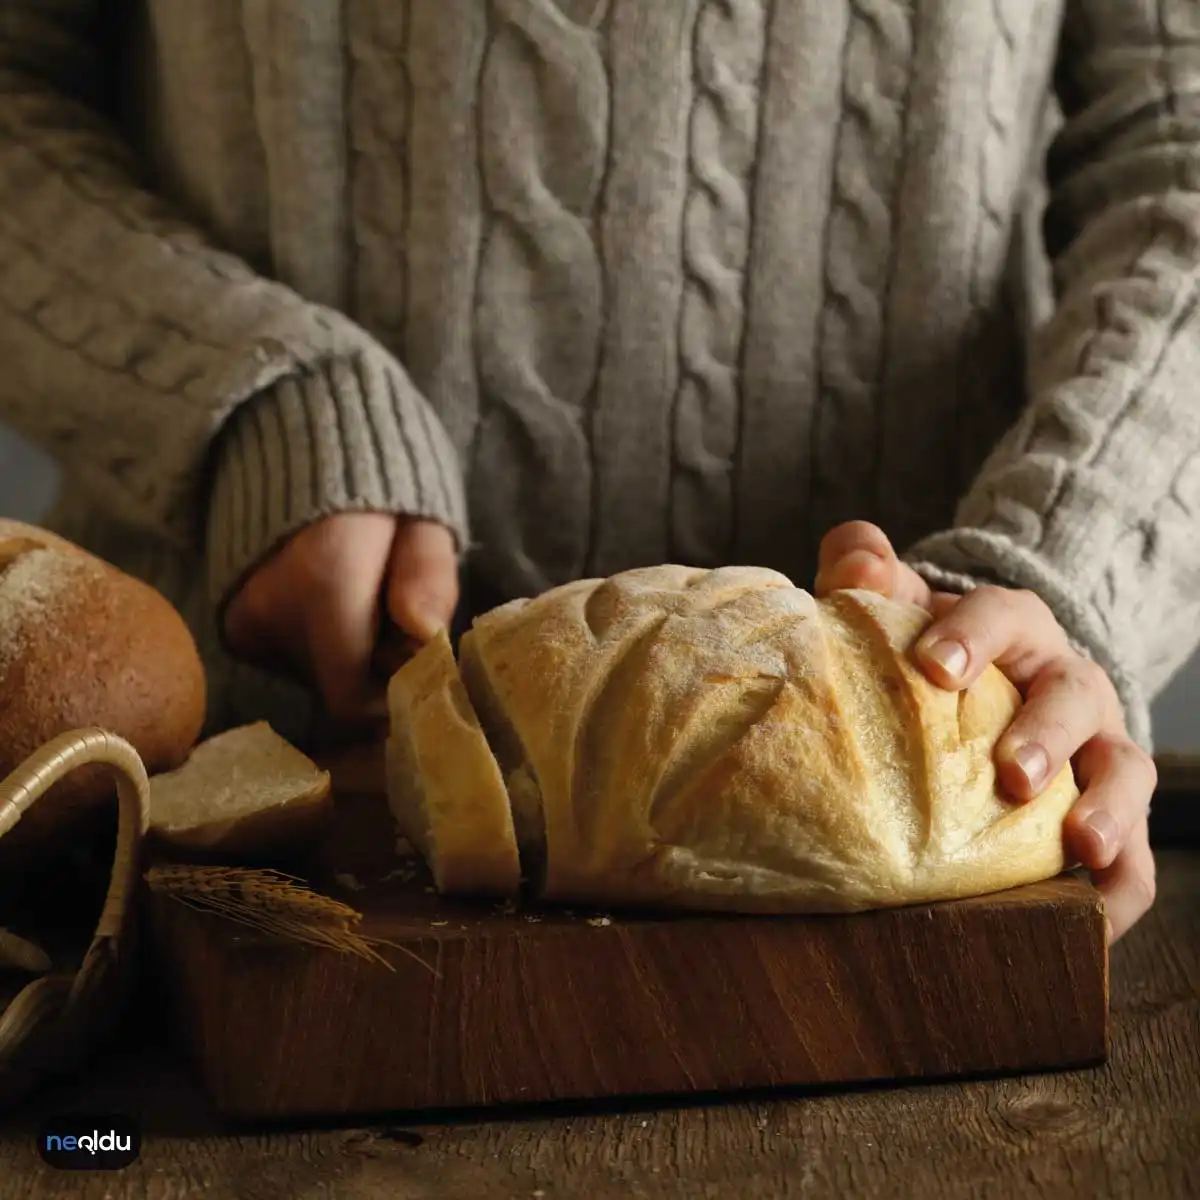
{"points": [[524, 794], [247, 791], [444, 786]]}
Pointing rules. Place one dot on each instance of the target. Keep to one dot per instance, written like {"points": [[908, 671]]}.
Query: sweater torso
{"points": [[688, 281]]}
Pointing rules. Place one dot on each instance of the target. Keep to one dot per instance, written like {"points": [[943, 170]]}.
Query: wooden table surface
{"points": [[1130, 1128]]}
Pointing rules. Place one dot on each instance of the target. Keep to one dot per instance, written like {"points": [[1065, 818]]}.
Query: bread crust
{"points": [[722, 740], [245, 793], [445, 787], [83, 644]]}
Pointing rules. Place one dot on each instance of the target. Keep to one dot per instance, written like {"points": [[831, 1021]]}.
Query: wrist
{"points": [[351, 435]]}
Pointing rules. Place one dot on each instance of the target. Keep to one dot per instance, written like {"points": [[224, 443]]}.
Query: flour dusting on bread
{"points": [[718, 740]]}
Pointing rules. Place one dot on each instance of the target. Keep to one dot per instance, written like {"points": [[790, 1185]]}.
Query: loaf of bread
{"points": [[721, 740], [245, 793], [83, 644]]}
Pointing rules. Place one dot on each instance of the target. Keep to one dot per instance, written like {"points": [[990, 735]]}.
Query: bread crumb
{"points": [[438, 924], [532, 919], [350, 882], [430, 889], [404, 874], [599, 922]]}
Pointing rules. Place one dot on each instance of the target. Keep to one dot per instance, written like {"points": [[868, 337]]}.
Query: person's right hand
{"points": [[319, 607]]}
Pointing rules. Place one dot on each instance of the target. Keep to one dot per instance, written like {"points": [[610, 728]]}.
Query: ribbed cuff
{"points": [[960, 559], [349, 435]]}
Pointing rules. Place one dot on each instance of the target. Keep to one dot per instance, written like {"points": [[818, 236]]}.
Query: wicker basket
{"points": [[52, 1023]]}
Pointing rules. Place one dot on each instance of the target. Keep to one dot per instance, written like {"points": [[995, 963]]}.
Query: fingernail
{"points": [[950, 656], [429, 622], [850, 567], [1105, 831], [433, 620], [1033, 762]]}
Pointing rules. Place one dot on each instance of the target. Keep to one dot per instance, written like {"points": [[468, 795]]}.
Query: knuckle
{"points": [[1016, 601], [1082, 679], [251, 608], [1129, 756], [1062, 679], [1055, 731], [1025, 599], [1150, 767], [1144, 765], [1012, 606], [993, 594], [1124, 757], [1065, 674], [1145, 889], [1094, 676], [315, 575], [310, 552]]}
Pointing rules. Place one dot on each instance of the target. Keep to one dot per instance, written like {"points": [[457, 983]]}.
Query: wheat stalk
{"points": [[271, 902]]}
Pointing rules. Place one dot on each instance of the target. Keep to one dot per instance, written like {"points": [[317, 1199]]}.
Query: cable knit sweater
{"points": [[602, 283]]}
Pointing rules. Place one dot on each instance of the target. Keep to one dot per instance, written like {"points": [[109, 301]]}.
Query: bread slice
{"points": [[245, 792], [445, 788], [520, 782]]}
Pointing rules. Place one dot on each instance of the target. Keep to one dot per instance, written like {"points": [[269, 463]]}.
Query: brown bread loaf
{"points": [[83, 644]]}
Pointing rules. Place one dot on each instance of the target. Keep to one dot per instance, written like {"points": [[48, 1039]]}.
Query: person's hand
{"points": [[1071, 711], [320, 606]]}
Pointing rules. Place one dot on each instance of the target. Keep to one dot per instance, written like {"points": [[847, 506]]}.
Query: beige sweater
{"points": [[613, 282]]}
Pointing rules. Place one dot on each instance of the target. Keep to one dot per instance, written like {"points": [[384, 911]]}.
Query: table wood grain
{"points": [[1128, 1129]]}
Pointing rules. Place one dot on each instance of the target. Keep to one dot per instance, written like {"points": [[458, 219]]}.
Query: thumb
{"points": [[858, 554], [422, 588]]}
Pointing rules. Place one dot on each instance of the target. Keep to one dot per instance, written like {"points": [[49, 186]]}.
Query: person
{"points": [[333, 310]]}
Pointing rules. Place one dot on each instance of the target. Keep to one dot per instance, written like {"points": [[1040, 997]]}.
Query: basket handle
{"points": [[48, 998]]}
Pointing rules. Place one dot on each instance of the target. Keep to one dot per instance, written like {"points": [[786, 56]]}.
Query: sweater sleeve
{"points": [[1092, 499], [193, 398]]}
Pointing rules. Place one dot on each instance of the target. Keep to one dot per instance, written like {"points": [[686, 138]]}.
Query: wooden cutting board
{"points": [[489, 1006]]}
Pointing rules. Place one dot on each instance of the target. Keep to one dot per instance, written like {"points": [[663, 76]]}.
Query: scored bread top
{"points": [[720, 739]]}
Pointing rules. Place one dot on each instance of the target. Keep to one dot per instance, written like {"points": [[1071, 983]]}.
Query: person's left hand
{"points": [[1071, 710]]}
